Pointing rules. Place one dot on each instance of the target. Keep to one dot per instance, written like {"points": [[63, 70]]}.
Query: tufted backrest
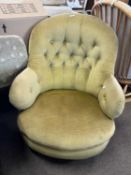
{"points": [[72, 51]]}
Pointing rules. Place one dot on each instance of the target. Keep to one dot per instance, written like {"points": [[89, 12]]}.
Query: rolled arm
{"points": [[24, 89], [111, 98]]}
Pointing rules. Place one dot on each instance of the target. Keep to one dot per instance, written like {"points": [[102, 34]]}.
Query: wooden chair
{"points": [[118, 16], [126, 1], [89, 4]]}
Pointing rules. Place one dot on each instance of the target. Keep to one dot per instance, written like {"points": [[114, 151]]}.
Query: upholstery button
{"points": [[71, 54], [104, 96], [63, 64], [98, 57], [94, 44], [64, 42], [85, 56], [52, 42], [77, 65], [101, 85], [57, 53], [80, 42], [51, 64], [90, 67], [45, 54]]}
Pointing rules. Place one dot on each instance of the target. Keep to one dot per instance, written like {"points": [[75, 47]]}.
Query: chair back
{"points": [[72, 51], [118, 16]]}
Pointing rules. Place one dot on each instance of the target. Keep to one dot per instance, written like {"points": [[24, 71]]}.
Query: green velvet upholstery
{"points": [[68, 89], [67, 125]]}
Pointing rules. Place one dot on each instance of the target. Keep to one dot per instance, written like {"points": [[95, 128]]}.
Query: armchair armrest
{"points": [[111, 98], [24, 89]]}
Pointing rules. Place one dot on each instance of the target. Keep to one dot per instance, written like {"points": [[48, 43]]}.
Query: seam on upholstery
{"points": [[81, 24], [59, 149]]}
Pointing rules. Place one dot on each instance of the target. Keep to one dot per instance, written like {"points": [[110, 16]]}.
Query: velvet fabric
{"points": [[69, 124], [75, 63]]}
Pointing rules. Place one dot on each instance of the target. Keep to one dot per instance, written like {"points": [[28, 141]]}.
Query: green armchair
{"points": [[68, 93]]}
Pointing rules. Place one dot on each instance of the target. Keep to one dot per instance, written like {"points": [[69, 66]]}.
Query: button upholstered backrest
{"points": [[72, 51]]}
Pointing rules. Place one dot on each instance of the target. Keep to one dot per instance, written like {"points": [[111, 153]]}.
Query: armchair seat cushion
{"points": [[66, 124]]}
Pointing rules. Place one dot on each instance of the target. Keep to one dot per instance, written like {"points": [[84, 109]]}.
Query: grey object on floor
{"points": [[17, 159], [13, 58]]}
